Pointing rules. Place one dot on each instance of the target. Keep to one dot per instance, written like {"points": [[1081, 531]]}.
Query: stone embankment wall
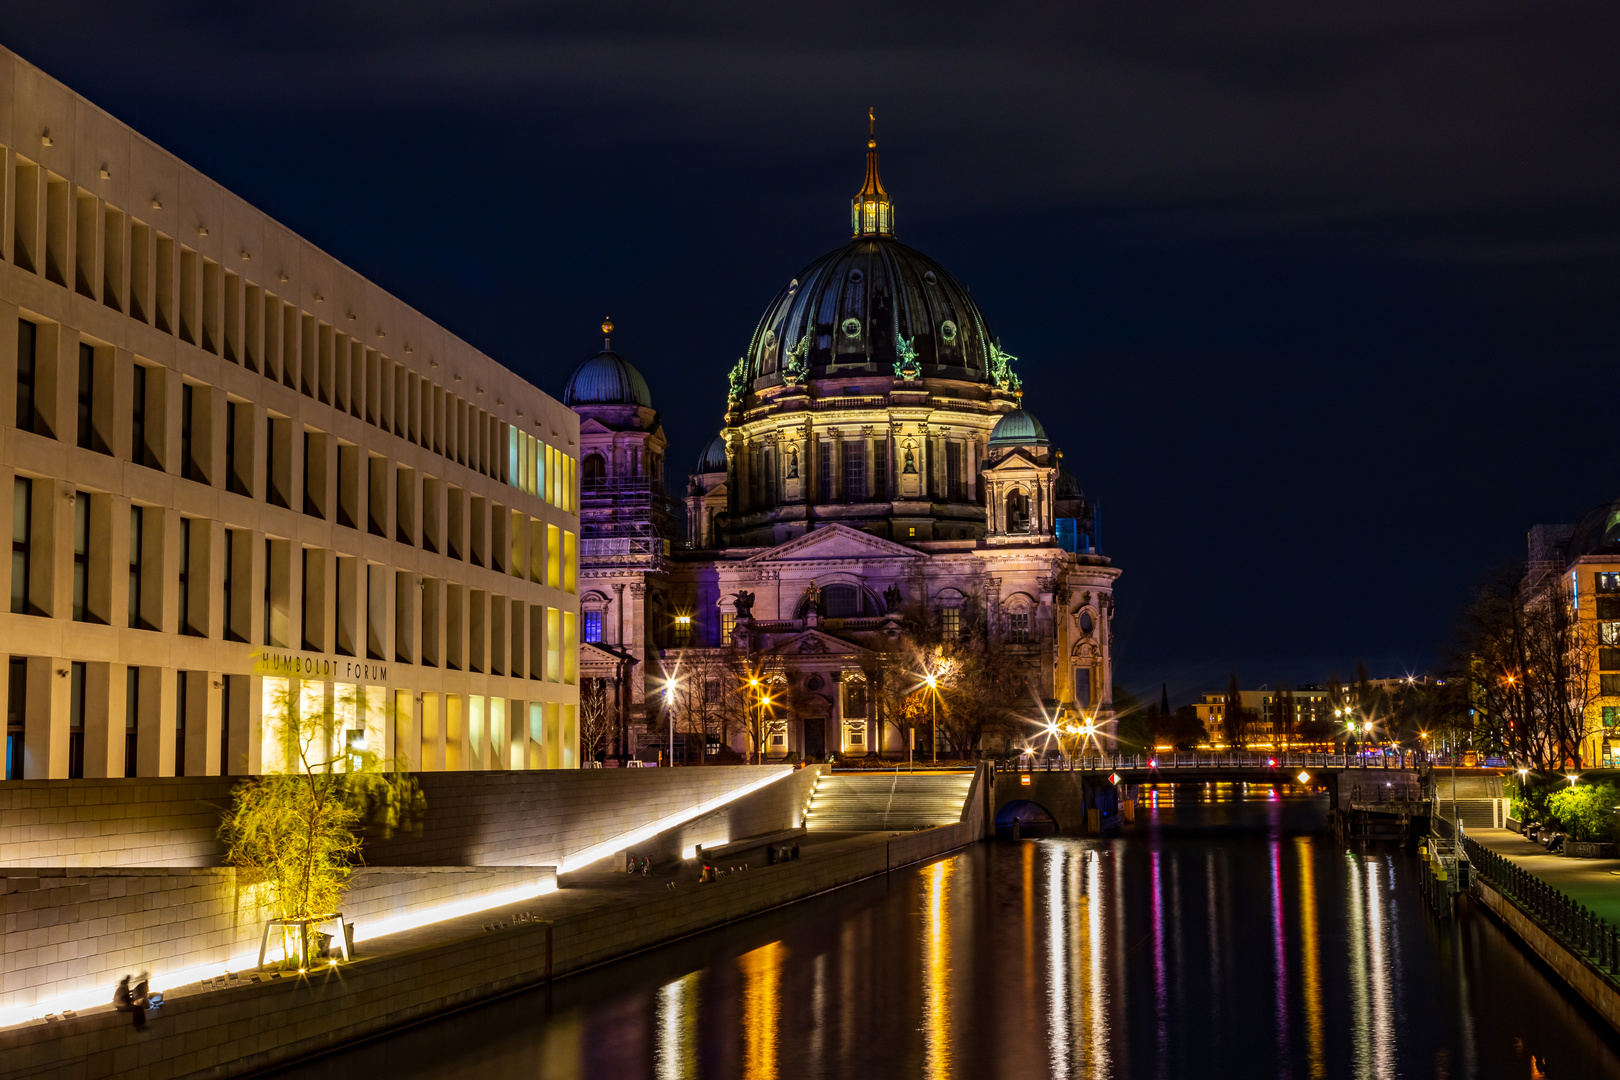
{"points": [[242, 1028], [73, 931], [473, 818], [1589, 984]]}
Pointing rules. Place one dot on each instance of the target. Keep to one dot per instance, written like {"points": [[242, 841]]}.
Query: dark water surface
{"points": [[1222, 935]]}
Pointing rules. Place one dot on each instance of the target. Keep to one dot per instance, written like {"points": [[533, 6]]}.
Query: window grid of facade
{"points": [[260, 370]]}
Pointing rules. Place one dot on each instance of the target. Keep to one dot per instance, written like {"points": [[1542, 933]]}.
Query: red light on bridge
{"points": [[1153, 763], [1271, 763]]}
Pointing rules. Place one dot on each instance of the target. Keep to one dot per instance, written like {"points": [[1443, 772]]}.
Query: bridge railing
{"points": [[1280, 762], [1589, 936]]}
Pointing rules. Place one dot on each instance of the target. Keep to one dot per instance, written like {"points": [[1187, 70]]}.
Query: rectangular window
{"points": [[225, 724], [955, 478], [16, 716], [593, 625], [227, 593], [137, 520], [728, 623], [951, 623], [182, 685], [185, 576], [235, 428], [315, 475], [855, 470], [81, 557], [314, 596], [824, 472], [1608, 607], [277, 461], [27, 374], [1608, 581], [22, 545], [76, 676], [132, 718], [1609, 633], [1608, 659], [140, 451], [1018, 627], [86, 420], [1609, 685], [880, 469], [1611, 716], [188, 405]]}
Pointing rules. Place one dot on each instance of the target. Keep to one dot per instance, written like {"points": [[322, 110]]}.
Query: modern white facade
{"points": [[238, 469]]}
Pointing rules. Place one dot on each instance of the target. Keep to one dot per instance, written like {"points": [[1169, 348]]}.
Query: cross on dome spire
{"points": [[872, 212]]}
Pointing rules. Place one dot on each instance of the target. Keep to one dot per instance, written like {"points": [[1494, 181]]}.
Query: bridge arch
{"points": [[1032, 819]]}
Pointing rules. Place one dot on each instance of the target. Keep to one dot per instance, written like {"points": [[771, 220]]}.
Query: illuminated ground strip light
{"points": [[159, 980]]}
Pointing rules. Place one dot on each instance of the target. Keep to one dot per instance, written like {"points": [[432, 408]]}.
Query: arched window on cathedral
{"points": [[840, 601], [595, 471], [1017, 511]]}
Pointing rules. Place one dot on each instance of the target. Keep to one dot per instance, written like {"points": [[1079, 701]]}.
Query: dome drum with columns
{"points": [[875, 465]]}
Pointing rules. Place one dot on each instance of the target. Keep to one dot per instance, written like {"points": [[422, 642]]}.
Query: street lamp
{"points": [[933, 704], [669, 707]]}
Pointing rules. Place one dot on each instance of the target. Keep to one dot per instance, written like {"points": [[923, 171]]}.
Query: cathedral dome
{"points": [[1018, 428], [606, 379], [873, 306], [713, 458]]}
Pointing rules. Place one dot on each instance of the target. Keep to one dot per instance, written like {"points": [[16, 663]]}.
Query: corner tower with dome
{"points": [[875, 472]]}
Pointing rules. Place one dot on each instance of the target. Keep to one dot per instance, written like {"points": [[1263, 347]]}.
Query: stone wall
{"points": [[103, 823], [239, 1029], [72, 931], [473, 818], [1598, 991]]}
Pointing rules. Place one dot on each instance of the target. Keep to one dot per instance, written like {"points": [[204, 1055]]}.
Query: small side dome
{"points": [[606, 379], [713, 458], [1018, 428], [1068, 487]]}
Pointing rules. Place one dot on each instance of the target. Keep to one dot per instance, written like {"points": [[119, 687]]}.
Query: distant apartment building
{"points": [[244, 476], [1279, 714], [1587, 556]]}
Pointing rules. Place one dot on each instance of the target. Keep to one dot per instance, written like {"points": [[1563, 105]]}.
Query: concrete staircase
{"points": [[1475, 813], [856, 802]]}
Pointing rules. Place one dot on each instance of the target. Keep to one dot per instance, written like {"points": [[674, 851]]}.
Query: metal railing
{"points": [[1192, 762], [1589, 936]]}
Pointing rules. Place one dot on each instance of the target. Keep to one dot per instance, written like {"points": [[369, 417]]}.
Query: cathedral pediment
{"points": [[812, 643], [1019, 460], [832, 542]]}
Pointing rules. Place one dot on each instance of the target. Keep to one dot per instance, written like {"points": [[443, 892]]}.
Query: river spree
{"points": [[1224, 934]]}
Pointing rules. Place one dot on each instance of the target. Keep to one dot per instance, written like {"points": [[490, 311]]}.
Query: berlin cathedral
{"points": [[875, 476]]}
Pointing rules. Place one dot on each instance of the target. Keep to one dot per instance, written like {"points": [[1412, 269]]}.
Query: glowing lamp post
{"points": [[933, 705]]}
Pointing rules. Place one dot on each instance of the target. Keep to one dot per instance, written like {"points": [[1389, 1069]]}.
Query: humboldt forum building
{"points": [[243, 479]]}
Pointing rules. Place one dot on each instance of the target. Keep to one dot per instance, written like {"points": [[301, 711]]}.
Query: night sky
{"points": [[1319, 300]]}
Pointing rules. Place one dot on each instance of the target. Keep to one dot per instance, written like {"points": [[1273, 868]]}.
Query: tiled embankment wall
{"points": [[218, 1033], [72, 931], [473, 818]]}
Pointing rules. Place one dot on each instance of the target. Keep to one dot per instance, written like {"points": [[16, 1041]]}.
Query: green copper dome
{"points": [[1018, 428]]}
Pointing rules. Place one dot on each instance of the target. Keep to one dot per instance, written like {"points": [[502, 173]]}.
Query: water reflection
{"points": [[676, 1053], [937, 969], [1219, 939], [762, 1007]]}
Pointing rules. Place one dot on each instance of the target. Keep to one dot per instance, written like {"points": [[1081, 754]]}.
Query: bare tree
{"points": [[595, 718]]}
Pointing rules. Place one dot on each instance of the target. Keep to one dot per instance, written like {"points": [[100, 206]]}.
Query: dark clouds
{"points": [[1319, 298]]}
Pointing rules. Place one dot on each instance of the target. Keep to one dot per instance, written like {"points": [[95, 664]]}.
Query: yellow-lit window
{"points": [[553, 557], [275, 703], [569, 737], [553, 644], [570, 556], [534, 465], [553, 735], [551, 474], [537, 736], [570, 647], [475, 732], [498, 735]]}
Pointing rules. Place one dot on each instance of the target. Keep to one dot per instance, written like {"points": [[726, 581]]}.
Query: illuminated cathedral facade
{"points": [[875, 473]]}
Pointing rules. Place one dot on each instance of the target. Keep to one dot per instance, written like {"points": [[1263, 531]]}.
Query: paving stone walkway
{"points": [[1592, 882]]}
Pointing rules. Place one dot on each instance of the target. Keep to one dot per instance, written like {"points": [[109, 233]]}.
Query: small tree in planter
{"points": [[294, 835]]}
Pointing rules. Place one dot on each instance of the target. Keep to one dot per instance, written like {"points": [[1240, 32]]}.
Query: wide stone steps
{"points": [[844, 802], [1475, 813]]}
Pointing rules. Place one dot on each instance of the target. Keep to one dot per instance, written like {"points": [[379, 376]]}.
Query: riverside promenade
{"points": [[1565, 910], [1594, 883], [231, 1026]]}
